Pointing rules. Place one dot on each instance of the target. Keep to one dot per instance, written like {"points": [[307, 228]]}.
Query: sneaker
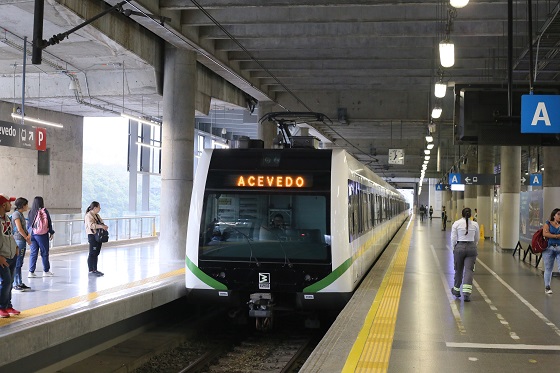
{"points": [[92, 273], [98, 274], [48, 274], [11, 311], [24, 287], [31, 275], [455, 292], [547, 290], [466, 297], [18, 288], [3, 313]]}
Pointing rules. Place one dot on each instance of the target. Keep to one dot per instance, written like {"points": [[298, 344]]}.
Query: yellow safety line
{"points": [[372, 349], [52, 307]]}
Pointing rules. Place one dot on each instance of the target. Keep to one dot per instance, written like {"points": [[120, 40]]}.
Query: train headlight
{"points": [[307, 278], [222, 275]]}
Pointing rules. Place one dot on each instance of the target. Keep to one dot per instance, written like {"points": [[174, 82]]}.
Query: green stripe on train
{"points": [[332, 277], [204, 277]]}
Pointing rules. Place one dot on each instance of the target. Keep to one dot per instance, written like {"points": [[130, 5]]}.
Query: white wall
{"points": [[62, 189]]}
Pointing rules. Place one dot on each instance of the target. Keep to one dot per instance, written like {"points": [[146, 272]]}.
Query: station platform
{"points": [[403, 317], [72, 304]]}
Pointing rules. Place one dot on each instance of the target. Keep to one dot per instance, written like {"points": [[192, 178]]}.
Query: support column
{"points": [[267, 130], [177, 156], [551, 181], [484, 192], [510, 186], [447, 203], [453, 214]]}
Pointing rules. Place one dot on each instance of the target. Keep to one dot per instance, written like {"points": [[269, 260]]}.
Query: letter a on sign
{"points": [[541, 114]]}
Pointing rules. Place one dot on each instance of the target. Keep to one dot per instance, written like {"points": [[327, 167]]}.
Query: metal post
{"points": [[23, 80]]}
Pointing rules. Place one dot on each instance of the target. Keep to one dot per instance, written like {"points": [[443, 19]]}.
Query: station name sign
{"points": [[540, 114], [23, 136], [272, 181]]}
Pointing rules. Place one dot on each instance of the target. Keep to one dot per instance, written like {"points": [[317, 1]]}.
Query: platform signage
{"points": [[481, 179], [455, 178], [540, 114], [535, 180], [22, 136], [442, 187]]}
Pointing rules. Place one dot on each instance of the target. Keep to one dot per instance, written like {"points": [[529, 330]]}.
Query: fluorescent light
{"points": [[447, 53], [426, 151], [436, 112], [430, 146], [148, 145], [458, 3], [427, 157], [140, 120], [440, 90], [38, 121], [429, 138]]}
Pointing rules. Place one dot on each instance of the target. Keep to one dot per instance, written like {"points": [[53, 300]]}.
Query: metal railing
{"points": [[72, 231]]}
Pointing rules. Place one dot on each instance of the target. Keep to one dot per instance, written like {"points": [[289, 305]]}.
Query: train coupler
{"points": [[260, 305]]}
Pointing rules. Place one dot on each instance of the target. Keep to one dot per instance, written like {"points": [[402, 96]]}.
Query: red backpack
{"points": [[41, 223], [539, 243]]}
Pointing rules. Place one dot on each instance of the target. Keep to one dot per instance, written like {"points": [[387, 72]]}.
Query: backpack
{"points": [[41, 222], [14, 227], [539, 243]]}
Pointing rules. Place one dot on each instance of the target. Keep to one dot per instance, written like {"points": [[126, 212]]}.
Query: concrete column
{"points": [[179, 91], [485, 192], [267, 130], [460, 204], [551, 181], [447, 203], [470, 190], [510, 186], [453, 210]]}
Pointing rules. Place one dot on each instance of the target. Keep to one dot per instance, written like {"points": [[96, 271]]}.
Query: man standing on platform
{"points": [[443, 218], [8, 258]]}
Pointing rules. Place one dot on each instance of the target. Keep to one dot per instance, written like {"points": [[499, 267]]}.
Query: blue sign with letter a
{"points": [[540, 114]]}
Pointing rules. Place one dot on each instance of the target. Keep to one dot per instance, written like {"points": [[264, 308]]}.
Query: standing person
{"points": [[8, 258], [464, 238], [551, 230], [443, 219], [22, 237], [93, 222], [422, 211], [431, 212], [39, 241], [475, 217]]}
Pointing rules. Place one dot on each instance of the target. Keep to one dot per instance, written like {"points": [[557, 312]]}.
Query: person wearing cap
{"points": [[8, 258], [22, 237]]}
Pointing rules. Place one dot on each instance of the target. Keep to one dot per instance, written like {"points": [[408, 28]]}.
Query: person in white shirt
{"points": [[464, 239]]}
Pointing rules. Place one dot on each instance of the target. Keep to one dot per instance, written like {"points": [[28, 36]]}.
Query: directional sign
{"points": [[22, 136], [455, 179], [442, 187], [481, 179], [535, 179], [540, 114]]}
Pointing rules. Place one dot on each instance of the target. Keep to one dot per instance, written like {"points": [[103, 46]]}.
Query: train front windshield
{"points": [[261, 227]]}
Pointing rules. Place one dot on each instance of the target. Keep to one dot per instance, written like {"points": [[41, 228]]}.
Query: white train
{"points": [[285, 229]]}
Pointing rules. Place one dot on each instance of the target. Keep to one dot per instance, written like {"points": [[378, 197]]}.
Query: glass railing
{"points": [[70, 230]]}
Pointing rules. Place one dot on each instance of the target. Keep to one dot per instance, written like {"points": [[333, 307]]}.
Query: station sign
{"points": [[540, 114], [535, 180], [23, 136], [443, 187], [474, 179]]}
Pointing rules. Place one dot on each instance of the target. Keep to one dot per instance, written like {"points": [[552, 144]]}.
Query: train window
{"points": [[257, 226]]}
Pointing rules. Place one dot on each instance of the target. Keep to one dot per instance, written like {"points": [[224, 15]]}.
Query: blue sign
{"points": [[442, 187], [455, 179], [540, 114], [536, 180]]}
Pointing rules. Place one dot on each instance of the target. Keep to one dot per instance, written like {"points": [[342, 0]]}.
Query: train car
{"points": [[285, 229]]}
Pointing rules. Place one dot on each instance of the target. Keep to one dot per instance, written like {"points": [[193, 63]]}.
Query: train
{"points": [[273, 230]]}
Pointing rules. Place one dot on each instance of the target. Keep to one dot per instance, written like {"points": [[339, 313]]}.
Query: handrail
{"points": [[72, 231]]}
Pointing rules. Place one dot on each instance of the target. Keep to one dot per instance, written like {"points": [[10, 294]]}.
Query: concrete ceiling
{"points": [[375, 60]]}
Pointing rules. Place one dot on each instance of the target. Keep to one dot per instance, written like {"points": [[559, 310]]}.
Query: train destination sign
{"points": [[273, 181], [23, 136]]}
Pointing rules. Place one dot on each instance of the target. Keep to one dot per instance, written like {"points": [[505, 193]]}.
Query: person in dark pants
{"points": [[464, 239], [8, 257], [93, 222], [443, 219], [39, 241], [23, 238]]}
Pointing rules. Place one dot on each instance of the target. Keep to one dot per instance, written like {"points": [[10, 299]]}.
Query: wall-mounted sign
{"points": [[22, 136]]}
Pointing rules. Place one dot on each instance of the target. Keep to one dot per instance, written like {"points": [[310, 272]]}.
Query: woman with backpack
{"points": [[93, 222], [551, 230], [22, 237], [40, 227]]}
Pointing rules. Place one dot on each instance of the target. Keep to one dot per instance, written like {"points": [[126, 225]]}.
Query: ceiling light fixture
{"points": [[426, 151], [427, 157], [430, 146], [429, 138], [436, 112], [38, 121], [458, 3], [140, 120], [440, 89], [447, 53]]}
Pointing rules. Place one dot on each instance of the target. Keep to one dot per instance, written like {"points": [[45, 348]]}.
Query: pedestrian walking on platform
{"points": [[443, 219], [464, 239], [40, 225], [551, 230], [8, 258], [422, 212], [93, 222], [23, 238], [431, 211]]}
